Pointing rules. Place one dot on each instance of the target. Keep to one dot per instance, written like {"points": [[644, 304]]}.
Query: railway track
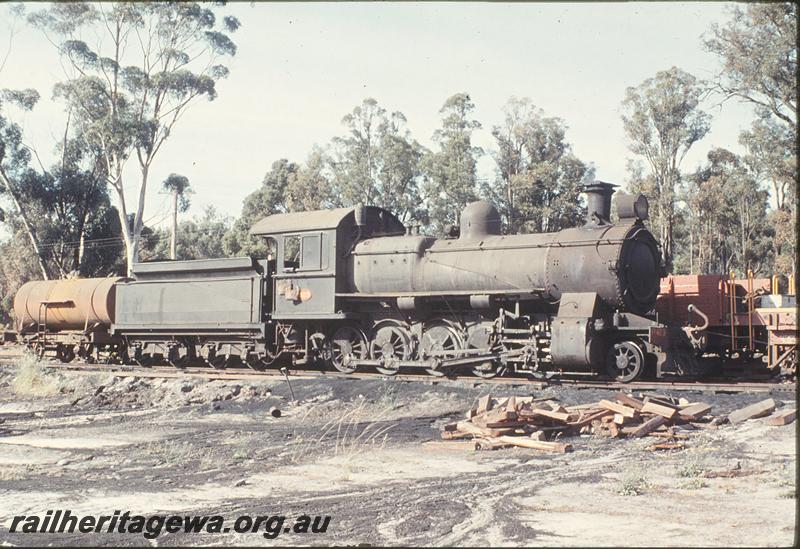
{"points": [[244, 374]]}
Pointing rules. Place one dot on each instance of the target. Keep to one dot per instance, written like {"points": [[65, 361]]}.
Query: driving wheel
{"points": [[390, 344], [442, 342], [347, 343]]}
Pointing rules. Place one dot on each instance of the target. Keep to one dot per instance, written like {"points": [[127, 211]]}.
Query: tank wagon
{"points": [[355, 288], [68, 317]]}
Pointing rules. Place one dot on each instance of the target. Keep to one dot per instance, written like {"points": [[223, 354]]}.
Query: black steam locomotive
{"points": [[354, 288]]}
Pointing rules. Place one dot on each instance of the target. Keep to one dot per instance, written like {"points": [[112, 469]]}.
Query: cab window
{"points": [[291, 252], [311, 252]]}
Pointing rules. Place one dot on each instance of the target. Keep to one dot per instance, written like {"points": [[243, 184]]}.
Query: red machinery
{"points": [[745, 317]]}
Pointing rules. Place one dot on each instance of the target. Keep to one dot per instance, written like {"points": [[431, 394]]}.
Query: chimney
{"points": [[598, 202]]}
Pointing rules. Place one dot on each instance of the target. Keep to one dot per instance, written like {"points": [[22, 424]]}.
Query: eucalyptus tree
{"points": [[268, 199], [539, 177], [16, 174], [758, 50], [310, 187], [662, 120], [377, 161], [132, 70], [177, 186], [726, 216], [451, 178]]}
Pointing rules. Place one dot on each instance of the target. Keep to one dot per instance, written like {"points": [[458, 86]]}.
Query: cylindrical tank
{"points": [[619, 262], [72, 304]]}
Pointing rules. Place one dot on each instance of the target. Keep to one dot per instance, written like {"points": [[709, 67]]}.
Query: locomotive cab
{"points": [[311, 255]]}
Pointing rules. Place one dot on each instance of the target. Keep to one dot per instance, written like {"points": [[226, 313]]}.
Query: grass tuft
{"points": [[693, 484], [30, 379], [356, 429], [633, 483], [693, 469]]}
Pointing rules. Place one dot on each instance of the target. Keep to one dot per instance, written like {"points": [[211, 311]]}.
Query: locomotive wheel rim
{"points": [[441, 337], [390, 342], [625, 361], [347, 341]]}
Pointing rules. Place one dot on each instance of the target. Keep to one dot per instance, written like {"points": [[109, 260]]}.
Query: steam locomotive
{"points": [[354, 288]]}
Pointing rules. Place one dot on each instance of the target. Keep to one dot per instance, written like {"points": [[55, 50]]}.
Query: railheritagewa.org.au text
{"points": [[63, 521]]}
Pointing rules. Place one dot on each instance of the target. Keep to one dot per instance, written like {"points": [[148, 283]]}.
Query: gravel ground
{"points": [[368, 453]]}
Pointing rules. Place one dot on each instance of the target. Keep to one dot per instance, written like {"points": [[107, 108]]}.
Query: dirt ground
{"points": [[369, 454]]}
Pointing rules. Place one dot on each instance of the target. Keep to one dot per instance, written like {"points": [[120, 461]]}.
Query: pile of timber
{"points": [[543, 423]]}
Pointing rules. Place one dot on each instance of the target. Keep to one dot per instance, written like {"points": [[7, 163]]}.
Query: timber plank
{"points": [[650, 425], [628, 400], [695, 411], [782, 418], [524, 442], [626, 411], [484, 404], [759, 409], [653, 408]]}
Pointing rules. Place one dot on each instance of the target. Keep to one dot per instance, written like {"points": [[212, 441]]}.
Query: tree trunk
{"points": [[37, 249], [138, 223], [125, 229], [173, 241]]}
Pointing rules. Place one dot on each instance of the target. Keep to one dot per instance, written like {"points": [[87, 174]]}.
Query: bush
{"points": [[31, 380]]}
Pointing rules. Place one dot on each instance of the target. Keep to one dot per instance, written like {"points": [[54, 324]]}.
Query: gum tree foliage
{"points": [[726, 214], [771, 155], [15, 170], [268, 199], [310, 187], [662, 121], [68, 209], [198, 238], [178, 185], [75, 217], [287, 187], [539, 178], [772, 158], [132, 69], [15, 156], [377, 162], [18, 264], [451, 181], [758, 53]]}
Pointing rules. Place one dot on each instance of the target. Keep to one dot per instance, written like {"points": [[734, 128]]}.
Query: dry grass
{"points": [[31, 380], [633, 483], [352, 436], [170, 452], [693, 468]]}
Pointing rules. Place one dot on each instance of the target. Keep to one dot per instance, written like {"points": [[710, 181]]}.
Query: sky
{"points": [[301, 67]]}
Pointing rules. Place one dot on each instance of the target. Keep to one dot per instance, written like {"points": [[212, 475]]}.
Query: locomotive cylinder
{"points": [[73, 304]]}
